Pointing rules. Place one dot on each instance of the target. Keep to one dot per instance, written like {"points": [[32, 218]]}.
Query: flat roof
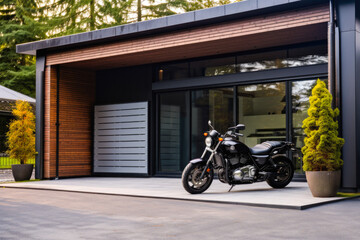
{"points": [[227, 12]]}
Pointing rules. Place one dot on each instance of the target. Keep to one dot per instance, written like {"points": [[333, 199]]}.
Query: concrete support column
{"points": [[349, 30], [39, 142]]}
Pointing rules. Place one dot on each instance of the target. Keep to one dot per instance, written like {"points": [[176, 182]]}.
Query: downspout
{"points": [[331, 57]]}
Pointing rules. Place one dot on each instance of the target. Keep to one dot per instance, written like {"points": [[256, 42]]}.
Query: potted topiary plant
{"points": [[21, 140], [322, 150]]}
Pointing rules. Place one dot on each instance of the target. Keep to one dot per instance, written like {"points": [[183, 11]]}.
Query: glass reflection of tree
{"points": [[301, 91], [300, 95], [306, 60], [267, 90], [219, 70], [262, 65]]}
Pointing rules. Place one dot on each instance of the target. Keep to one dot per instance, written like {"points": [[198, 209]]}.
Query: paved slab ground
{"points": [[295, 196], [43, 215]]}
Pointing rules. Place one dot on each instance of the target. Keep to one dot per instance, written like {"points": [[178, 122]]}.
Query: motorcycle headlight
{"points": [[208, 141]]}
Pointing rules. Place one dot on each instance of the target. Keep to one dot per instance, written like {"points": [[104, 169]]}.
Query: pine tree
{"points": [[20, 22], [322, 150], [73, 16], [21, 134], [115, 12], [170, 7]]}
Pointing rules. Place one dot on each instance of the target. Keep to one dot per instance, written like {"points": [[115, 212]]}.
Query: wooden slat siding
{"points": [[49, 122], [217, 33], [257, 41], [120, 138], [77, 97]]}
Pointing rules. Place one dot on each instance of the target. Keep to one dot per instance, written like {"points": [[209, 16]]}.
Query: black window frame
{"points": [[235, 55], [287, 75]]}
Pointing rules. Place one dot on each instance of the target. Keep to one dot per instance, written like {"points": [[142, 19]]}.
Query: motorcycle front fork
{"points": [[213, 152]]}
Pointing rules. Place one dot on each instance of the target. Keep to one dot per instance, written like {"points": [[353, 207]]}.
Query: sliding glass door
{"points": [[210, 104], [264, 109], [300, 93], [174, 132]]}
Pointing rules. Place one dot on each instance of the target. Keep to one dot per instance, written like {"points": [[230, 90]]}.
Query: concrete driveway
{"points": [[52, 215], [295, 196]]}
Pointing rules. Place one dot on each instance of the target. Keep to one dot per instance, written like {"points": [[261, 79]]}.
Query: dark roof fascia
{"points": [[202, 17]]}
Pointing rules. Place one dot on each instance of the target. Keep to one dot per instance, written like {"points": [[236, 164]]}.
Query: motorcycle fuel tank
{"points": [[234, 146]]}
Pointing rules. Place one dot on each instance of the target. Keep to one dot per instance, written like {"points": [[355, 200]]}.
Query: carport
{"points": [[295, 196], [88, 83]]}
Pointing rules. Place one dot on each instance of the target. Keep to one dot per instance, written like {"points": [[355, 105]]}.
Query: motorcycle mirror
{"points": [[209, 123]]}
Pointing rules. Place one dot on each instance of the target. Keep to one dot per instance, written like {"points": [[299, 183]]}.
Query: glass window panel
{"points": [[262, 108], [173, 71], [209, 104], [307, 56], [174, 132], [212, 67], [270, 59], [301, 91], [261, 61]]}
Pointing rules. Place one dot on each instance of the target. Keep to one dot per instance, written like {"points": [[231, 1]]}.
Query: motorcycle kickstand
{"points": [[231, 187]]}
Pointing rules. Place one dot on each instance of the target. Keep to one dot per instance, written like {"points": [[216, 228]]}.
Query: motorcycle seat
{"points": [[265, 148]]}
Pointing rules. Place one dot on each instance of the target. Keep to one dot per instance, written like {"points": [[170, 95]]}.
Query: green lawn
{"points": [[6, 162], [341, 194]]}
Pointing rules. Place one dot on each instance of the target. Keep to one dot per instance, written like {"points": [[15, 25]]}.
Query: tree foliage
{"points": [[21, 134], [322, 150], [20, 21], [24, 21], [75, 16], [169, 7]]}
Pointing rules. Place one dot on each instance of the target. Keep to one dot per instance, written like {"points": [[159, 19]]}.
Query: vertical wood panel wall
{"points": [[76, 101], [49, 122]]}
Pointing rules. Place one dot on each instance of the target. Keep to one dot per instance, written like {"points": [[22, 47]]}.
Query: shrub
{"points": [[322, 144], [21, 134]]}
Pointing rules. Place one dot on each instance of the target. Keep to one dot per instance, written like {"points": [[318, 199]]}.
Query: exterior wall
{"points": [[76, 101], [124, 85], [49, 122], [251, 33], [348, 14], [77, 87]]}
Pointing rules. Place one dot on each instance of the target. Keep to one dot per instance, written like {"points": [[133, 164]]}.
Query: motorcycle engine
{"points": [[238, 159], [221, 175], [246, 173]]}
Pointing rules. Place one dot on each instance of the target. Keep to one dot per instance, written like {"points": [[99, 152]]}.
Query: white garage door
{"points": [[121, 138]]}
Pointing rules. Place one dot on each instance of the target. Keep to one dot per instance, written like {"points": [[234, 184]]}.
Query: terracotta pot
{"points": [[22, 172], [323, 183]]}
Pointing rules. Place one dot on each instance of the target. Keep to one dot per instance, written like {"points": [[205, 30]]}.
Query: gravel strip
{"points": [[6, 175]]}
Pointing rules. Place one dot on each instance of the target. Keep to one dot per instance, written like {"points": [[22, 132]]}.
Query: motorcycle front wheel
{"points": [[191, 178], [283, 175]]}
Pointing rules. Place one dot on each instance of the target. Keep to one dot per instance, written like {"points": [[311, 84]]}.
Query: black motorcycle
{"points": [[236, 163]]}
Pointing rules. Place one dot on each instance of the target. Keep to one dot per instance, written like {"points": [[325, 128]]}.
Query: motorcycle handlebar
{"points": [[233, 134]]}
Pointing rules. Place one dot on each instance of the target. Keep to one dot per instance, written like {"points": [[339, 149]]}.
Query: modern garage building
{"points": [[135, 99]]}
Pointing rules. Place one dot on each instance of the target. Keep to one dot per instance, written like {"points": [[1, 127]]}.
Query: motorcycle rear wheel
{"points": [[191, 178], [283, 175]]}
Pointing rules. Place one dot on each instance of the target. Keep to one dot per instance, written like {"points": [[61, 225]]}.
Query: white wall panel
{"points": [[121, 138]]}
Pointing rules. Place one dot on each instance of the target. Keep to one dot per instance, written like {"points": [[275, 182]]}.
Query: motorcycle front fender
{"points": [[198, 160]]}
